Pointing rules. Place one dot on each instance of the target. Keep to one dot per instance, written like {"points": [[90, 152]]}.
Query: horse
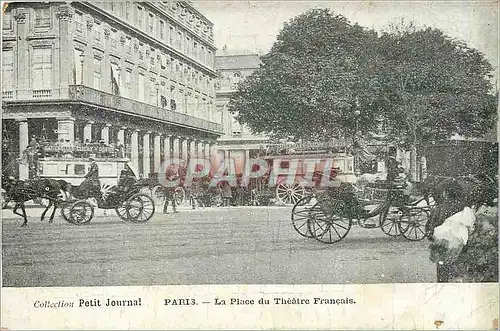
{"points": [[21, 191], [453, 194]]}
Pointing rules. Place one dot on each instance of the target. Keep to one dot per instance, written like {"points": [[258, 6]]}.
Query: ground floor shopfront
{"points": [[148, 142]]}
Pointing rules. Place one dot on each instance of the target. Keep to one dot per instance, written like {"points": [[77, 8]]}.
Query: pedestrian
{"points": [[226, 193], [169, 197]]}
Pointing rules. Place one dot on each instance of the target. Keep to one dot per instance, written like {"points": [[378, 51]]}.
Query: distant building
{"points": [[232, 67], [141, 74]]}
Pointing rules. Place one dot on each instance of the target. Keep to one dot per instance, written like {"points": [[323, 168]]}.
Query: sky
{"points": [[253, 25]]}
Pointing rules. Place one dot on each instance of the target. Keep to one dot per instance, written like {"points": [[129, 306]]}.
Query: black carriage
{"points": [[125, 198], [329, 215]]}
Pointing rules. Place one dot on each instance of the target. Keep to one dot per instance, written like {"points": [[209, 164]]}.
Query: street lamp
{"points": [[82, 60]]}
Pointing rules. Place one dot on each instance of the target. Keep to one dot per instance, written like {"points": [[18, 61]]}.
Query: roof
{"points": [[243, 61]]}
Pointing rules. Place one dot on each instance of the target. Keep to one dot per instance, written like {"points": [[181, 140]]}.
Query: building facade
{"points": [[237, 141], [139, 74]]}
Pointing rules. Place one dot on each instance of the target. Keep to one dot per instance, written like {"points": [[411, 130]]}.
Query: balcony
{"points": [[7, 95], [40, 94], [133, 107]]}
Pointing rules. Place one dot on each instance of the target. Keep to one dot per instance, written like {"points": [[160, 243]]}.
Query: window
{"points": [[115, 86], [114, 39], [187, 50], [171, 36], [79, 21], [97, 74], [98, 31], [152, 92], [80, 169], [179, 40], [128, 83], [142, 87], [235, 127], [7, 20], [127, 10], [7, 69], [78, 67], [162, 30], [173, 105], [151, 23], [42, 68], [163, 101], [195, 50], [140, 18], [128, 45], [203, 55], [112, 6], [42, 17]]}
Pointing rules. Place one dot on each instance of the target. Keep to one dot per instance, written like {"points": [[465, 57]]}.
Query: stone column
{"points": [[87, 131], [105, 133], [66, 62], [201, 147], [134, 146], [121, 136], [184, 150], [176, 147], [23, 143], [22, 45], [192, 148], [157, 152], [207, 151], [226, 155], [213, 149], [66, 129], [145, 155], [166, 149]]}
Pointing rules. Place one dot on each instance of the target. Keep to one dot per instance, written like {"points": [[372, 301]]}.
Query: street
{"points": [[236, 245]]}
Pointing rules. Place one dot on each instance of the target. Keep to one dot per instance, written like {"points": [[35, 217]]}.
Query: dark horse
{"points": [[21, 191], [453, 194]]}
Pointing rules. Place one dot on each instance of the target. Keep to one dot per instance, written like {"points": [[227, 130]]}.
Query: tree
{"points": [[309, 82], [433, 87]]}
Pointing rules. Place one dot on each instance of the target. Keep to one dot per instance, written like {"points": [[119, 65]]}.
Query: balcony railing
{"points": [[87, 94], [37, 94], [7, 95]]}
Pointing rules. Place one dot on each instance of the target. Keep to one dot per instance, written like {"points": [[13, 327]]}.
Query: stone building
{"points": [[237, 141], [139, 74]]}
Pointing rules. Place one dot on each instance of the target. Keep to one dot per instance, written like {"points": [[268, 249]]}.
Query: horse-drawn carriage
{"points": [[302, 159], [328, 215], [103, 180]]}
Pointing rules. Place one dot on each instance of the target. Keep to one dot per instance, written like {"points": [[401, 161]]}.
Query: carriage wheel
{"points": [[66, 212], [121, 211], [179, 195], [158, 195], [390, 222], [327, 225], [300, 215], [289, 194], [413, 222], [140, 208], [81, 212]]}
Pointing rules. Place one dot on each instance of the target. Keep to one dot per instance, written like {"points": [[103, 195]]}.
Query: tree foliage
{"points": [[309, 81], [433, 87], [424, 85]]}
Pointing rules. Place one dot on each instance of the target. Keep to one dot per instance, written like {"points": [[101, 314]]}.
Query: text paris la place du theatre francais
{"points": [[113, 302]]}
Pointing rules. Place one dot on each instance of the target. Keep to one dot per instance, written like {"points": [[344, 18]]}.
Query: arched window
{"points": [[235, 80]]}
